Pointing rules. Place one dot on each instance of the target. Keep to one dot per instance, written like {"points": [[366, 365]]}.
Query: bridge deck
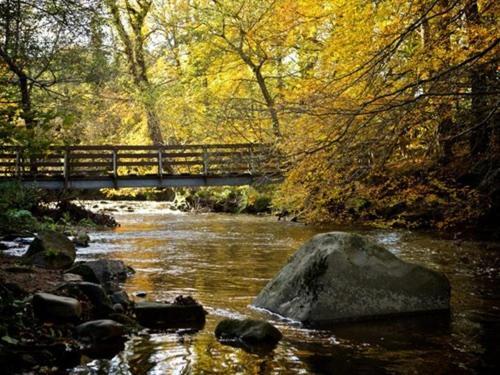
{"points": [[95, 167]]}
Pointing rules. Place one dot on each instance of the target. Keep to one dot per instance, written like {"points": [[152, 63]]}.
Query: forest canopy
{"points": [[376, 105]]}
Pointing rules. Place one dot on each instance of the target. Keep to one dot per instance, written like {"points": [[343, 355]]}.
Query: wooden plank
{"points": [[74, 156], [43, 164], [142, 155], [228, 153], [227, 162], [91, 164], [182, 155], [200, 146], [152, 147], [111, 148], [43, 158], [88, 169], [93, 172], [186, 162], [137, 163]]}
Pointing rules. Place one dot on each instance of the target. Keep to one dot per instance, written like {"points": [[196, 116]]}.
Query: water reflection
{"points": [[223, 261]]}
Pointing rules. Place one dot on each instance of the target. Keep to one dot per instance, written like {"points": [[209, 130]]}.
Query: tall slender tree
{"points": [[129, 20]]}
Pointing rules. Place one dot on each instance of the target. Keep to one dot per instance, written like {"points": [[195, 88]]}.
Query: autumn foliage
{"points": [[386, 111]]}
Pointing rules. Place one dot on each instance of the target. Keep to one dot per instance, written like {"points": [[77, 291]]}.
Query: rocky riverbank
{"points": [[55, 313], [226, 199]]}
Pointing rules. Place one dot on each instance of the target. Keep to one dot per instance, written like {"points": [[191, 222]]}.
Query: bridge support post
{"points": [[66, 169], [251, 164], [18, 164], [160, 166], [205, 161], [115, 168]]}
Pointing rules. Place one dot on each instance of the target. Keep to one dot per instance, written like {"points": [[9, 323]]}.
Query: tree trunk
{"points": [[154, 128], [446, 124], [479, 137], [26, 113], [269, 102], [481, 78], [133, 43]]}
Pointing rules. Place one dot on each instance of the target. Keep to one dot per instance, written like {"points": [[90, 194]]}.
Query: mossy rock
{"points": [[51, 250], [338, 277]]}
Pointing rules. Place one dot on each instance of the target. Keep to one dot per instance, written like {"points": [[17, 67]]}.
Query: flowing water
{"points": [[223, 261]]}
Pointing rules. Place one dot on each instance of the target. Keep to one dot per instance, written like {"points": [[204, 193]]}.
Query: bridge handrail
{"points": [[145, 147], [114, 160]]}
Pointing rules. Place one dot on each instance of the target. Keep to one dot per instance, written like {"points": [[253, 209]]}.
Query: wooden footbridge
{"points": [[96, 167]]}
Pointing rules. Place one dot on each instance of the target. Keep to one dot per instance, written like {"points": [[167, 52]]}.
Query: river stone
{"points": [[102, 329], [81, 239], [105, 338], [170, 315], [249, 331], [118, 308], [51, 250], [71, 277], [127, 321], [122, 298], [95, 294], [102, 271], [345, 277], [50, 307]]}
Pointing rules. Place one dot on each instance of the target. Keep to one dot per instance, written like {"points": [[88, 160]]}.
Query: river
{"points": [[223, 261]]}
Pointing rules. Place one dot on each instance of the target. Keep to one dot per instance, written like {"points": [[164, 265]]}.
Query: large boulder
{"points": [[51, 250], [248, 333], [346, 277], [57, 309], [183, 313], [102, 271]]}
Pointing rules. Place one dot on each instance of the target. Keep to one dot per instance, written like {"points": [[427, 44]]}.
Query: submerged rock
{"points": [[345, 277], [248, 333], [51, 250], [105, 338], [53, 308], [170, 315]]}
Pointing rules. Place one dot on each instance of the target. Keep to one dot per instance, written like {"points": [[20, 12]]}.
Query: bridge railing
{"points": [[115, 161]]}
